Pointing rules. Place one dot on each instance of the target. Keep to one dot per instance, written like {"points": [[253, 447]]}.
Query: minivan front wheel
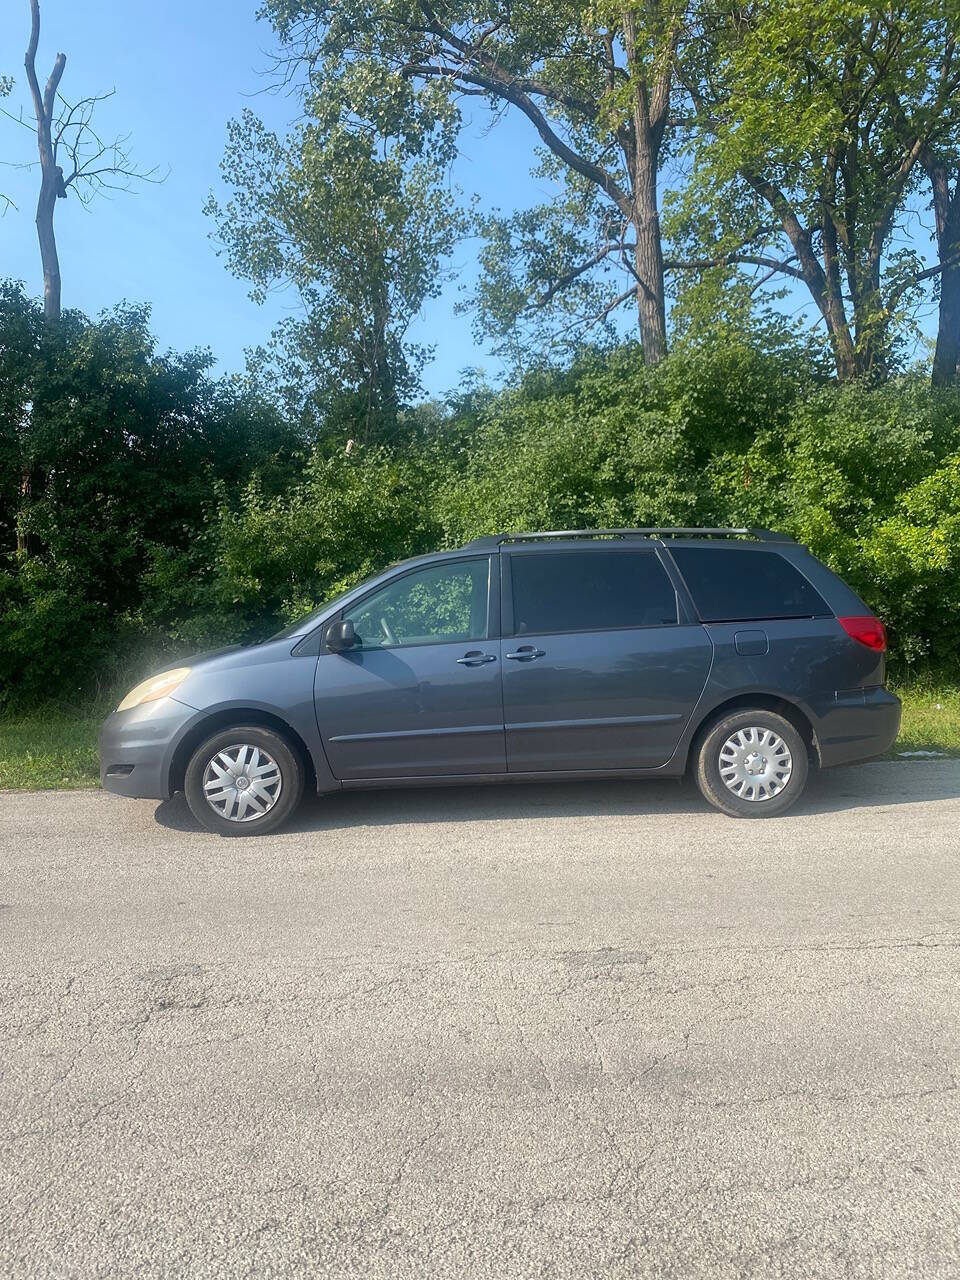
{"points": [[243, 781], [752, 764]]}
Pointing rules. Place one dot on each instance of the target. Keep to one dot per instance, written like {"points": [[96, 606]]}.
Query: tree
{"points": [[595, 84], [65, 128], [352, 212], [941, 164], [814, 122]]}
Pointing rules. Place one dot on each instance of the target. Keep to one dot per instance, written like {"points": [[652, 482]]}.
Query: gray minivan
{"points": [[733, 653]]}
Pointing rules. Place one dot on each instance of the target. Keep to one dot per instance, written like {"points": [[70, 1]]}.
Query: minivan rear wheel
{"points": [[243, 781], [752, 764]]}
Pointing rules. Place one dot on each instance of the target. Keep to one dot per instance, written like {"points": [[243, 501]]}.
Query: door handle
{"points": [[476, 659], [526, 653]]}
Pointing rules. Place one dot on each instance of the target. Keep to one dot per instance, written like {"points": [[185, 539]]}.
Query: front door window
{"points": [[445, 603]]}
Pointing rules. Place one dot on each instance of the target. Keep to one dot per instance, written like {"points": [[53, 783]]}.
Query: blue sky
{"points": [[181, 71]]}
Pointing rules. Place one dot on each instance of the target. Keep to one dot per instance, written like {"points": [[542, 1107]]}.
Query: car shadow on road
{"points": [[875, 785]]}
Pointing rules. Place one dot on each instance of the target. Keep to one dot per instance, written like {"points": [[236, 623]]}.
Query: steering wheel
{"points": [[387, 631]]}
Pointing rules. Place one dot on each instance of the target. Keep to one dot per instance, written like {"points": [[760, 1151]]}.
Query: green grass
{"points": [[47, 751], [59, 750], [931, 721]]}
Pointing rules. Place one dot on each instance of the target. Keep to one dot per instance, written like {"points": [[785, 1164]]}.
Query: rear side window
{"points": [[590, 591], [730, 585]]}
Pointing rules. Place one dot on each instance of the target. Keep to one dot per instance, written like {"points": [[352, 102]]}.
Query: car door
{"points": [[420, 695], [601, 665]]}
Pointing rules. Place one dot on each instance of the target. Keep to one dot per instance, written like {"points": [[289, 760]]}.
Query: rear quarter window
{"points": [[737, 585]]}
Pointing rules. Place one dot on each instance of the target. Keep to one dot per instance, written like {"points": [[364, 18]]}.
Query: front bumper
{"points": [[857, 725], [137, 748]]}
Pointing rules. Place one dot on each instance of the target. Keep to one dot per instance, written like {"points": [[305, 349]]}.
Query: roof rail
{"points": [[761, 535]]}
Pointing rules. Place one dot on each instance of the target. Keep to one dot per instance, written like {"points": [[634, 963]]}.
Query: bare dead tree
{"points": [[65, 133], [72, 156]]}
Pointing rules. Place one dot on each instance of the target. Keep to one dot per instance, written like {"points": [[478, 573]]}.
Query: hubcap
{"points": [[755, 764], [242, 783]]}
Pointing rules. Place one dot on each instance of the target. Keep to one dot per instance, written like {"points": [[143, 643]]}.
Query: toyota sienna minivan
{"points": [[631, 653]]}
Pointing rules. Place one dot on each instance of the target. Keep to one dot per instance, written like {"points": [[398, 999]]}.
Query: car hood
{"points": [[237, 655]]}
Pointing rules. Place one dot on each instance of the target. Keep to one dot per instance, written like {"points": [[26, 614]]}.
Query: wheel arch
{"points": [[223, 719], [799, 718]]}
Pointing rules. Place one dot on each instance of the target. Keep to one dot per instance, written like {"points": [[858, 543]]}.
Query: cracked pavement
{"points": [[590, 1030]]}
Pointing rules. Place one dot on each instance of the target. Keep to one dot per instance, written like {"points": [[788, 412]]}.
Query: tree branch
{"points": [[732, 259], [30, 60], [612, 306], [920, 276], [575, 272], [499, 85]]}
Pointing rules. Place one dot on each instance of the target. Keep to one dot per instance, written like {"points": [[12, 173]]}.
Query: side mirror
{"points": [[342, 636]]}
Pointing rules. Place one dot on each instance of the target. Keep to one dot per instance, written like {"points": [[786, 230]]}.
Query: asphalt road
{"points": [[576, 1031]]}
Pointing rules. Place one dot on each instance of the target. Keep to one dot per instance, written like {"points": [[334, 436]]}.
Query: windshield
{"points": [[308, 619]]}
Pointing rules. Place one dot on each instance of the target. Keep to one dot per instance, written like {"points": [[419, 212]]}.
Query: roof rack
{"points": [[760, 535]]}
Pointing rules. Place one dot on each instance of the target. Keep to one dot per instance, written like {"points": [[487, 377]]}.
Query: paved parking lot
{"points": [[591, 1030]]}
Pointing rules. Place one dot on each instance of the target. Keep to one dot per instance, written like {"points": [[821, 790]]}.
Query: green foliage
{"points": [[914, 557], [108, 451], [352, 212], [796, 138], [867, 477], [593, 83], [168, 513], [551, 275], [273, 557], [610, 442], [816, 122]]}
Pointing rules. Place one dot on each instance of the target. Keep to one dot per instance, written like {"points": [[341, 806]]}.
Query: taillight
{"points": [[868, 631]]}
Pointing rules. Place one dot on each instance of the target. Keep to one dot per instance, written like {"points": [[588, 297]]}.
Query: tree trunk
{"points": [[643, 159], [48, 245], [844, 357], [827, 287], [30, 486], [23, 543], [831, 307], [946, 357], [51, 176], [381, 407], [829, 300], [648, 264]]}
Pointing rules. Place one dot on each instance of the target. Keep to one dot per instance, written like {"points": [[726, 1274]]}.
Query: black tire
{"points": [[732, 736], [270, 746]]}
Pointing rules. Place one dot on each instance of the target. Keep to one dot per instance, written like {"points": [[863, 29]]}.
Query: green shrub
{"points": [[865, 476], [913, 558], [275, 557], [172, 514]]}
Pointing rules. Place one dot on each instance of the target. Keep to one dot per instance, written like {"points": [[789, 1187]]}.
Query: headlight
{"points": [[156, 687]]}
